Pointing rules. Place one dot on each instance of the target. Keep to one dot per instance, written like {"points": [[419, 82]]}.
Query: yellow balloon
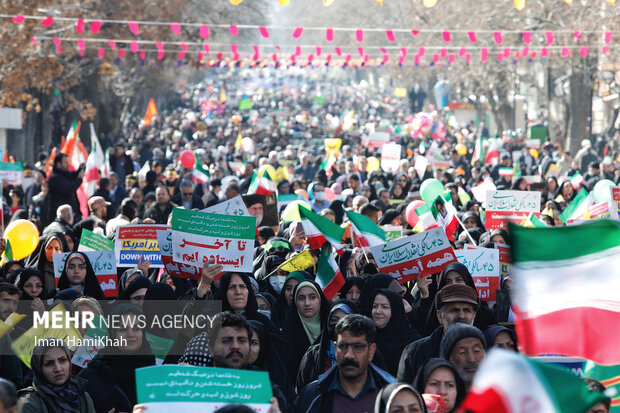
{"points": [[534, 153], [235, 2], [23, 237], [380, 2], [429, 3], [461, 149], [373, 164], [327, 3], [284, 2], [519, 4]]}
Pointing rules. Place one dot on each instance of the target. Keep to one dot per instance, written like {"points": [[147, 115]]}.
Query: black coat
{"points": [[196, 201], [315, 398], [416, 353], [158, 215], [62, 189]]}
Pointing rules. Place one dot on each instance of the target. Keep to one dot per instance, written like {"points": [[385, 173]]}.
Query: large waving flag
{"points": [[151, 112], [77, 153], [508, 382], [328, 274], [263, 185], [367, 233], [200, 174], [440, 212], [566, 283], [578, 206], [96, 159], [320, 230]]}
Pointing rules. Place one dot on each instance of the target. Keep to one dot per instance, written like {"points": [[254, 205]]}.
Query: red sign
{"points": [[486, 287], [179, 270]]}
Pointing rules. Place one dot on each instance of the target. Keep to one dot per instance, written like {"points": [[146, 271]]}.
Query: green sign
{"points": [[160, 347], [94, 242], [215, 225], [209, 386]]}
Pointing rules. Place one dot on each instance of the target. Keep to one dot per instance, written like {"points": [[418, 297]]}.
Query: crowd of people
{"points": [[376, 345]]}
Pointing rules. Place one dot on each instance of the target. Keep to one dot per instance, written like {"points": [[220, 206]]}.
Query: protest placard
{"points": [[484, 267], [164, 239], [90, 241], [299, 262], [160, 346], [104, 266], [375, 139], [10, 322], [392, 232], [233, 206], [11, 173], [414, 256], [199, 237], [615, 196], [201, 389], [602, 210], [390, 157], [513, 206], [23, 346], [135, 242], [90, 347]]}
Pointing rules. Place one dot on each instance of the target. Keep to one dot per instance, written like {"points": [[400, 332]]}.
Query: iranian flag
{"points": [[508, 382], [566, 283], [367, 233], [95, 159], [320, 230], [492, 156], [440, 212], [328, 274], [532, 221], [263, 185], [200, 174], [77, 153], [577, 181], [578, 207], [506, 171]]}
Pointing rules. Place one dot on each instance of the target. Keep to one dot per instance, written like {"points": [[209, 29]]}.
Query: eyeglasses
{"points": [[358, 348], [187, 194]]}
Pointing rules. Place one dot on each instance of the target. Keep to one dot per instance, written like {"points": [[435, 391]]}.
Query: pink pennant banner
{"points": [[527, 37], [402, 56], [359, 35], [81, 44], [219, 56], [101, 52], [95, 26], [605, 50], [472, 37], [142, 54], [338, 51], [56, 41], [328, 59], [133, 26], [319, 50], [47, 22], [298, 32], [436, 58], [256, 51], [297, 50], [416, 59], [462, 52], [484, 54], [421, 51], [263, 32], [19, 19], [112, 44], [583, 52], [206, 48], [607, 37], [577, 36], [549, 37], [497, 37], [544, 52], [525, 51], [121, 53], [451, 58], [59, 50], [201, 56], [564, 52], [175, 28], [181, 55], [443, 52], [233, 48], [386, 58], [414, 33], [390, 36], [79, 25], [204, 31], [507, 52], [468, 58], [184, 46], [500, 56], [133, 46], [329, 34], [446, 36], [159, 45], [233, 30]]}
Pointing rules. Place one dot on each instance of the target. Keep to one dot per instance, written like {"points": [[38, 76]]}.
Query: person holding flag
{"points": [[62, 187]]}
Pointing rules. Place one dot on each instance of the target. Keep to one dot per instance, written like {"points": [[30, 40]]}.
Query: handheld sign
{"points": [[104, 266], [201, 389], [414, 256], [164, 239], [484, 267], [90, 241], [513, 206], [234, 206], [615, 196], [199, 237], [135, 242]]}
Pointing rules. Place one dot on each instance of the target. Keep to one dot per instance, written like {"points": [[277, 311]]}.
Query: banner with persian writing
{"points": [[510, 206]]}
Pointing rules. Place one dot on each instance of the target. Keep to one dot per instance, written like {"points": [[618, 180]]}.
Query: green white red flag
{"points": [[328, 274], [507, 382], [367, 233], [263, 185], [440, 212], [578, 206], [565, 288], [200, 174], [320, 230]]}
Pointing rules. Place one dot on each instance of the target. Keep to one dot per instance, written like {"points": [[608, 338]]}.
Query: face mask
{"points": [[266, 313], [277, 282], [319, 196]]}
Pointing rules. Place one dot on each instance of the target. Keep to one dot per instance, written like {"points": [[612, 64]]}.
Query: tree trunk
{"points": [[580, 107]]}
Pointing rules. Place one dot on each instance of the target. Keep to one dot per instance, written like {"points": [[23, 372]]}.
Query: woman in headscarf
{"points": [[111, 374], [160, 300], [501, 337], [403, 180], [269, 277], [42, 258], [351, 289], [79, 275], [265, 357], [53, 388], [306, 318], [374, 283], [31, 284], [390, 217], [394, 332], [285, 298], [454, 273], [439, 376], [236, 293], [136, 290], [8, 267], [567, 191], [399, 397], [126, 278]]}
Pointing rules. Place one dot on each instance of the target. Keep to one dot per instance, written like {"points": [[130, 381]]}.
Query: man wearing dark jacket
{"points": [[454, 303], [186, 197], [62, 188], [162, 208], [353, 383]]}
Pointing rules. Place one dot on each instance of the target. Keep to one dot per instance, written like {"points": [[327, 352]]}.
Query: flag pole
{"points": [[465, 229], [361, 246]]}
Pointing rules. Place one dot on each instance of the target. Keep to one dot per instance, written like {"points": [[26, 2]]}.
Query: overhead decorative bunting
{"points": [[79, 25], [497, 37], [18, 19], [233, 30], [390, 36], [472, 37], [329, 34], [298, 32], [133, 46], [359, 36], [549, 38], [446, 36], [95, 26], [263, 32], [176, 28], [133, 26], [527, 37], [47, 22]]}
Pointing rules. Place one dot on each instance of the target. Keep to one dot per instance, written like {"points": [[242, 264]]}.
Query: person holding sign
{"points": [[79, 275], [53, 388], [111, 374]]}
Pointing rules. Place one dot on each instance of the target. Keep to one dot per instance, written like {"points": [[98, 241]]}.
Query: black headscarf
{"points": [[387, 393], [388, 216], [349, 282], [491, 333], [280, 310], [91, 288], [119, 367], [39, 260], [136, 284], [433, 364], [122, 282], [397, 334], [66, 397], [338, 207], [4, 270], [19, 278], [373, 283], [251, 308]]}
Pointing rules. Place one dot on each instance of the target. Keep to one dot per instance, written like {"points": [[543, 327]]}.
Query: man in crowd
{"points": [[465, 347], [318, 203], [186, 197], [63, 221], [162, 208], [62, 187]]}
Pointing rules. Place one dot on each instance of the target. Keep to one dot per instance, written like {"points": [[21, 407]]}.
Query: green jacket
{"points": [[33, 401]]}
